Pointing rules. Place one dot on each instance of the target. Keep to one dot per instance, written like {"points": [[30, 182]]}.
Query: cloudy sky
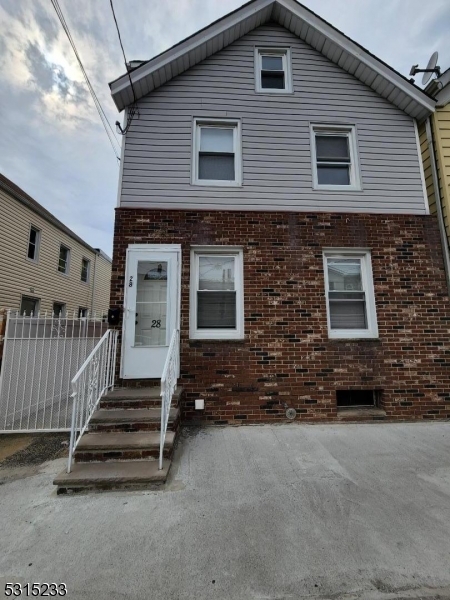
{"points": [[52, 143]]}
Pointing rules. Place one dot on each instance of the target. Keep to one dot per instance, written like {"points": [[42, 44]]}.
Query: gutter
{"points": [[437, 195]]}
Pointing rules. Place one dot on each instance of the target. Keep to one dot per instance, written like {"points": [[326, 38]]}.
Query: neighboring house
{"points": [[437, 165], [44, 266], [272, 206]]}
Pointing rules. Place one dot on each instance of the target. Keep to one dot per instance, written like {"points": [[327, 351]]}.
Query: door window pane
{"points": [[151, 304]]}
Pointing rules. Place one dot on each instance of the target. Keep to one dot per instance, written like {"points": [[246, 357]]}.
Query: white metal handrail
{"points": [[169, 379], [95, 376]]}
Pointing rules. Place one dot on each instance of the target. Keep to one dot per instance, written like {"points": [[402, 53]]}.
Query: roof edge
{"points": [[18, 194], [381, 68]]}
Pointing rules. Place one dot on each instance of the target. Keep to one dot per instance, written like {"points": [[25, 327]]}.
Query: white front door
{"points": [[151, 308]]}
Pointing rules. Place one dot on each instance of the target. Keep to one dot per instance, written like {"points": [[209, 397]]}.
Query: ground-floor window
{"points": [[216, 300], [29, 306], [59, 309], [82, 312], [350, 294]]}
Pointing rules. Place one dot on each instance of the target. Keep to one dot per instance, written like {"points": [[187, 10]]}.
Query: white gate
{"points": [[41, 356]]}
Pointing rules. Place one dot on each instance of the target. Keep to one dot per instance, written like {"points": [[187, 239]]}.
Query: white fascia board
{"points": [[346, 44], [199, 38]]}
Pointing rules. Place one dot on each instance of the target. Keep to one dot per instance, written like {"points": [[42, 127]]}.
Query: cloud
{"points": [[53, 144]]}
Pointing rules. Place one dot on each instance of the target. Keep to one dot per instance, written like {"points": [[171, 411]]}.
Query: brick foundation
{"points": [[286, 356]]}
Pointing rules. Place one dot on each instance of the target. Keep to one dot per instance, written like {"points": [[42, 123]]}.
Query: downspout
{"points": [[93, 285], [437, 195]]}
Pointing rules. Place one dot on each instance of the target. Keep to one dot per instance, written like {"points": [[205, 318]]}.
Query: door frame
{"points": [[175, 248]]}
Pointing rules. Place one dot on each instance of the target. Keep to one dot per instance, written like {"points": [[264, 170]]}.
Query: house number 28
{"points": [[130, 283]]}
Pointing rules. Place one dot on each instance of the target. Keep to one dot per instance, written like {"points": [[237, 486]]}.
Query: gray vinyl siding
{"points": [[276, 154]]}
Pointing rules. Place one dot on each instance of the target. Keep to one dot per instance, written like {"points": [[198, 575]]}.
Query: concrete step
{"points": [[131, 419], [122, 446], [137, 398], [112, 476]]}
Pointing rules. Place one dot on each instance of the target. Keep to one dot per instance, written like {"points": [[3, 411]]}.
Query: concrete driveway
{"points": [[272, 512]]}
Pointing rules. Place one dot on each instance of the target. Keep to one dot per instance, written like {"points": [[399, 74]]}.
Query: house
{"points": [[435, 132], [272, 210], [44, 266]]}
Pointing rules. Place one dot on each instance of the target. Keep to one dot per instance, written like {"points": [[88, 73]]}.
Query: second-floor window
{"points": [[85, 267], [33, 243], [273, 70], [334, 157], [64, 258], [217, 153]]}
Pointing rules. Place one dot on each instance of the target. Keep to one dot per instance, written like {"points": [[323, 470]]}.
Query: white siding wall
{"points": [[275, 137]]}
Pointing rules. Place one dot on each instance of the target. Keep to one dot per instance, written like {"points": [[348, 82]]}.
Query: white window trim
{"points": [[88, 278], [38, 243], [367, 281], [285, 53], [355, 176], [217, 334], [67, 271], [237, 147]]}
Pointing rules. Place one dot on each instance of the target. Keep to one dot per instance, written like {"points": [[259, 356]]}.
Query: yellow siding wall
{"points": [[427, 168], [41, 279], [441, 126], [102, 285]]}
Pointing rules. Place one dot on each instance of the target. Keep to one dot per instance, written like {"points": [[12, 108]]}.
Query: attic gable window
{"points": [[273, 70], [335, 157], [216, 152]]}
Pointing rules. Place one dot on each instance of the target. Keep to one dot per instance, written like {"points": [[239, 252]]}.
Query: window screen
{"points": [[346, 295], [216, 160], [272, 72], [333, 159], [216, 293]]}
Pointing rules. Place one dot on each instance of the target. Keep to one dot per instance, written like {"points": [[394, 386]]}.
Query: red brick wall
{"points": [[286, 356]]}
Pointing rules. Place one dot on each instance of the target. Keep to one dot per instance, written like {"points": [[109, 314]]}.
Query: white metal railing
{"points": [[41, 355], [94, 378], [169, 378]]}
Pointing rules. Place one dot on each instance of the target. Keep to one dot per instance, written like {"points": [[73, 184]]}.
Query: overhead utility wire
{"points": [[132, 111], [104, 119]]}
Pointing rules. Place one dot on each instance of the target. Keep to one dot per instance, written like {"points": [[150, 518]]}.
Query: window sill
{"points": [[197, 342], [336, 188], [275, 92], [212, 183], [33, 261], [355, 339], [63, 274]]}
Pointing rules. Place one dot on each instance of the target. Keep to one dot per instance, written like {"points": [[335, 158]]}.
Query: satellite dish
{"points": [[431, 66]]}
